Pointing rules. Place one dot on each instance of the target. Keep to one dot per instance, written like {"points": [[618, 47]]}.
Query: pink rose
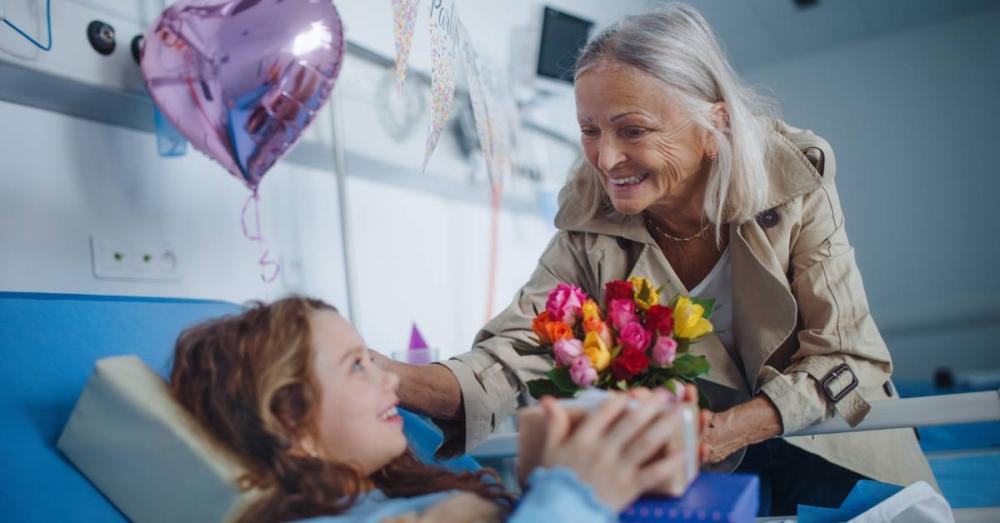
{"points": [[567, 351], [621, 313], [582, 373], [664, 350], [634, 337], [564, 303]]}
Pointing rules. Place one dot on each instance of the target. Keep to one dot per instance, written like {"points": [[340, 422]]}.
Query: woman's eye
{"points": [[635, 132], [358, 364], [588, 132]]}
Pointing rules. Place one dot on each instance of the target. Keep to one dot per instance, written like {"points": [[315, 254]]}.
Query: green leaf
{"points": [[622, 384], [560, 378], [544, 387], [689, 366], [683, 345], [671, 385], [708, 305]]}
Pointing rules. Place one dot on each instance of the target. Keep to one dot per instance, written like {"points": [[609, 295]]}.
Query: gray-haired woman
{"points": [[688, 181]]}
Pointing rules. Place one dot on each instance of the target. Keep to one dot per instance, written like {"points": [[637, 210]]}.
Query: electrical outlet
{"points": [[139, 260]]}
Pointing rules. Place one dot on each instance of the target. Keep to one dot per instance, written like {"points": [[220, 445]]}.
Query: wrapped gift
{"points": [[532, 430], [731, 498]]}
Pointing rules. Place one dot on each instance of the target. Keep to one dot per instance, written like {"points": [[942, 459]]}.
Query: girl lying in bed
{"points": [[291, 388]]}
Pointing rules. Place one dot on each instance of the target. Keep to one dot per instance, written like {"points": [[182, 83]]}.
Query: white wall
{"points": [[420, 250], [63, 180], [912, 117]]}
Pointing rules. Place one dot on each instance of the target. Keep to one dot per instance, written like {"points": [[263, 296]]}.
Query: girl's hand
{"points": [[689, 395], [615, 449]]}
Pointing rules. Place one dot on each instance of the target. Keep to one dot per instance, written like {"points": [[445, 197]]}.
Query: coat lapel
{"points": [[764, 311]]}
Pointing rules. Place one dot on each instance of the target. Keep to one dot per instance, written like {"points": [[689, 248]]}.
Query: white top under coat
{"points": [[718, 285]]}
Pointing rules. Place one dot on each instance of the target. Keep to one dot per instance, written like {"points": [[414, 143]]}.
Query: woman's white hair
{"points": [[675, 44]]}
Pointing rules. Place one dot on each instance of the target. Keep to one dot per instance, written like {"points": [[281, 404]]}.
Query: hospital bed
{"points": [[50, 342]]}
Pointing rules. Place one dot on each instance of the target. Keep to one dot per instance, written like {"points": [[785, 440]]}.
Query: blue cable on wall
{"points": [[48, 23]]}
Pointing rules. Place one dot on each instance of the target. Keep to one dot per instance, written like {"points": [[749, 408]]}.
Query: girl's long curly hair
{"points": [[249, 380]]}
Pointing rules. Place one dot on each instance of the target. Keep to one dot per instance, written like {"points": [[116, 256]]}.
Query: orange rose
{"points": [[557, 330], [538, 325], [549, 332]]}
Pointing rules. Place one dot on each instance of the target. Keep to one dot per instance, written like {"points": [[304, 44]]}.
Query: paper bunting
{"points": [[404, 13], [477, 94], [443, 27]]}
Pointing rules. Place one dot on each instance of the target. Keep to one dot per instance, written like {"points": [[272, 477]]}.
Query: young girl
{"points": [[291, 388]]}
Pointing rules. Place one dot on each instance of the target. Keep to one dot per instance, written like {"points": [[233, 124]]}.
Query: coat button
{"points": [[768, 218]]}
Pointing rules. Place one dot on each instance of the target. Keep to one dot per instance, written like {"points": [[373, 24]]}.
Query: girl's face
{"points": [[645, 149], [357, 413]]}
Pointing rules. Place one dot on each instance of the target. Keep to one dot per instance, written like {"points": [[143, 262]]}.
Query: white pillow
{"points": [[146, 453]]}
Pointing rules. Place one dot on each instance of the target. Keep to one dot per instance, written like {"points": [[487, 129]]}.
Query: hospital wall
{"points": [[419, 242], [913, 118]]}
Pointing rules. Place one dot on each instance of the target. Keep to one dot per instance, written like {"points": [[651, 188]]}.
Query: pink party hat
{"points": [[417, 339]]}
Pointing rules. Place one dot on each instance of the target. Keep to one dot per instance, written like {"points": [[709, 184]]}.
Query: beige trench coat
{"points": [[802, 325]]}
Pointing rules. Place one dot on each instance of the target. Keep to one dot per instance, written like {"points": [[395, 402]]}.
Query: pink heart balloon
{"points": [[242, 79]]}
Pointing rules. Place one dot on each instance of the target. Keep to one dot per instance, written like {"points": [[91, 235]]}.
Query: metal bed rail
{"points": [[926, 411]]}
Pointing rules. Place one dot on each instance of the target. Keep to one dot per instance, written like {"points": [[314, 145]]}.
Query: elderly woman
{"points": [[688, 182]]}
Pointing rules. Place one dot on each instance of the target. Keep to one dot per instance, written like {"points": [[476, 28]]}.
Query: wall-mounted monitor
{"points": [[562, 37]]}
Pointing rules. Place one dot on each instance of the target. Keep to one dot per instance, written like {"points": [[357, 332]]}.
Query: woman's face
{"points": [[645, 149], [357, 413]]}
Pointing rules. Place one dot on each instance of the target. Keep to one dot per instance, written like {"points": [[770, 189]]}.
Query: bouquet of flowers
{"points": [[633, 341]]}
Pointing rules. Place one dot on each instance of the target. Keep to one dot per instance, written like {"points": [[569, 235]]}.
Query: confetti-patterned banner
{"points": [[477, 94], [404, 13], [494, 110], [443, 25]]}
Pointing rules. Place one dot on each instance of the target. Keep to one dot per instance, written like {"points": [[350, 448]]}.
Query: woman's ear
{"points": [[719, 116]]}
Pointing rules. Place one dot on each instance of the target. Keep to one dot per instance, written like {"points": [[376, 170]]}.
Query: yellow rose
{"points": [[596, 351], [645, 294], [689, 322], [591, 311]]}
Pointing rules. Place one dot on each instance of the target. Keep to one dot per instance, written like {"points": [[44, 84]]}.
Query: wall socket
{"points": [[136, 260]]}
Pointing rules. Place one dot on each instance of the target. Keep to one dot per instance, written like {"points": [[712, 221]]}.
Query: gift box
{"points": [[731, 498]]}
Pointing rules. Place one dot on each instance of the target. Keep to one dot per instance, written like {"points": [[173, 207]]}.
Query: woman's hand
{"points": [[725, 432], [615, 449]]}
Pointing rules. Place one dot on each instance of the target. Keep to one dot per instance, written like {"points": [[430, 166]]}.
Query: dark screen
{"points": [[563, 35]]}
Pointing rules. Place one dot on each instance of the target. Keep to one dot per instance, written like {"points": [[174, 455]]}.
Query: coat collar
{"points": [[790, 175]]}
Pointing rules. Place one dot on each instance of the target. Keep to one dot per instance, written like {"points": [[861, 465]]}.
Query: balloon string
{"points": [[496, 194], [269, 268]]}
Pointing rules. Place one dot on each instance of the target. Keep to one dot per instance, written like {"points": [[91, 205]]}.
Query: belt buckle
{"points": [[828, 380]]}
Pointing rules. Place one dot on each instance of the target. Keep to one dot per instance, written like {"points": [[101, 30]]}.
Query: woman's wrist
{"points": [[745, 424]]}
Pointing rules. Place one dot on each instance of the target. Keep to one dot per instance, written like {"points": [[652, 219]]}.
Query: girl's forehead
{"points": [[334, 333]]}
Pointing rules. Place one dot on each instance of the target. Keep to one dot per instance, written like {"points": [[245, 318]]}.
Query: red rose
{"points": [[618, 290], [629, 363], [660, 319]]}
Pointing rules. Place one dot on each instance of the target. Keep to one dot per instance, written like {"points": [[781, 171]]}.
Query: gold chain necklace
{"points": [[699, 234]]}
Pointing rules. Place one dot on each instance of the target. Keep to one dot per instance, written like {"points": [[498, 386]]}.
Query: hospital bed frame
{"points": [[970, 407]]}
